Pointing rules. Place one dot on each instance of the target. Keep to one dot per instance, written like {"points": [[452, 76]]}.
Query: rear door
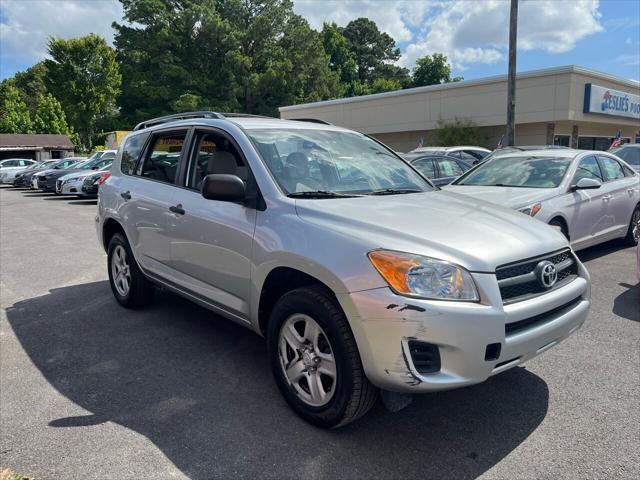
{"points": [[211, 240], [148, 194], [619, 191]]}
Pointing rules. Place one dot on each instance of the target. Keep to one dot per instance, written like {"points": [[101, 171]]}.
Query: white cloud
{"points": [[477, 32], [26, 25]]}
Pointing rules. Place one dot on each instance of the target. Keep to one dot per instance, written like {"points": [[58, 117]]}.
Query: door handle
{"points": [[126, 195], [177, 209], [606, 198]]}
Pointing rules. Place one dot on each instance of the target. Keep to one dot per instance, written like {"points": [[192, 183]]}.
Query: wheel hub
{"points": [[309, 358]]}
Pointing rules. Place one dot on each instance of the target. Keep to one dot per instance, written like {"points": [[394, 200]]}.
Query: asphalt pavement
{"points": [[89, 390]]}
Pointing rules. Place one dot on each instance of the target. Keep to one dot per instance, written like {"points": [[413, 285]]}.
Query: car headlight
{"points": [[424, 277], [531, 210]]}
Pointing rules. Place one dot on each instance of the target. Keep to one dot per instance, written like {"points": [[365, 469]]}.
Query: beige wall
{"points": [[551, 96]]}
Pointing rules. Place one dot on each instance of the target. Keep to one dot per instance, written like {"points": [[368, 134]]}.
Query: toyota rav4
{"points": [[362, 276]]}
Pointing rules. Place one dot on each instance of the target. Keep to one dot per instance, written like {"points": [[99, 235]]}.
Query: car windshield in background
{"points": [[631, 155], [519, 172], [328, 163]]}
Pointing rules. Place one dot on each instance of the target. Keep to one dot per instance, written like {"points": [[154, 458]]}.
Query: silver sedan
{"points": [[591, 196]]}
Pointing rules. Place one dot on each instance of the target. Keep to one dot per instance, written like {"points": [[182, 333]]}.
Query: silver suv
{"points": [[362, 275]]}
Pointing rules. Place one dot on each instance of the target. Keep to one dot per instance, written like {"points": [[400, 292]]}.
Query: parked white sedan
{"points": [[11, 166], [591, 196], [71, 184]]}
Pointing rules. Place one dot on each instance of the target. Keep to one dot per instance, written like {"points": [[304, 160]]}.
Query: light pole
{"points": [[511, 82]]}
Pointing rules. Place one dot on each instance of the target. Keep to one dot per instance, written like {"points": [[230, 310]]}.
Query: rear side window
{"points": [[425, 167], [449, 168], [130, 153], [161, 161], [612, 169], [587, 168]]}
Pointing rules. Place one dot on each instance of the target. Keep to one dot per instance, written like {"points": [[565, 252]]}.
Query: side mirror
{"points": [[586, 184], [223, 187]]}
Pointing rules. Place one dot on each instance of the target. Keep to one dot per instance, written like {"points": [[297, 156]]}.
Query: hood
{"points": [[512, 197], [440, 224], [62, 173]]}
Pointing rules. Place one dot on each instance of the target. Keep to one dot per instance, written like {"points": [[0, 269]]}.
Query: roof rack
{"points": [[310, 120], [187, 115]]}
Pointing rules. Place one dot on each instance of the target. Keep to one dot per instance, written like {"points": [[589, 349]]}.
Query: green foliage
{"points": [[14, 114], [433, 70], [341, 59], [83, 75], [460, 131], [50, 117]]}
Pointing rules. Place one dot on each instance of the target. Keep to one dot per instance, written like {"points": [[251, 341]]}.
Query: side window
{"points": [[10, 163], [464, 166], [457, 154], [469, 156], [214, 154], [161, 161], [425, 167], [612, 169], [130, 152], [587, 168], [449, 167]]}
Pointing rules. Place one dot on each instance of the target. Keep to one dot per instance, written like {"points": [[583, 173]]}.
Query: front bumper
{"points": [[383, 323]]}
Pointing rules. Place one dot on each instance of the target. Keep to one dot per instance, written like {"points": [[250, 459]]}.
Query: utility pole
{"points": [[511, 82]]}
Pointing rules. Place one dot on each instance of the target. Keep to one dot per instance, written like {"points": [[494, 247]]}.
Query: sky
{"points": [[599, 34]]}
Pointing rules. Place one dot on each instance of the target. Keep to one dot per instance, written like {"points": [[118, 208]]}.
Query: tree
{"points": [[371, 48], [14, 114], [432, 70], [50, 117], [83, 75], [341, 59], [31, 84], [460, 131]]}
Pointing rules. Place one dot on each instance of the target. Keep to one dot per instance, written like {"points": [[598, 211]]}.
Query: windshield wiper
{"points": [[394, 191], [320, 194]]}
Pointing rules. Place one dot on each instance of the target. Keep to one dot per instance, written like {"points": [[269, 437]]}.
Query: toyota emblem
{"points": [[546, 274]]}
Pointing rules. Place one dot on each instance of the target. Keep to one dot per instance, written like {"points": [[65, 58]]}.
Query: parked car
{"points": [[440, 169], [23, 179], [11, 166], [45, 180], [630, 153], [591, 196], [49, 179], [468, 154], [359, 272], [71, 183], [503, 151], [91, 184]]}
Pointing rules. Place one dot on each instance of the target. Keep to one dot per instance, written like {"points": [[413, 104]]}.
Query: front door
{"points": [[620, 191], [211, 240]]}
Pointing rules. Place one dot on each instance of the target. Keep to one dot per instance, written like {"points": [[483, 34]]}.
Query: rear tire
{"points": [[128, 284], [633, 233], [345, 392]]}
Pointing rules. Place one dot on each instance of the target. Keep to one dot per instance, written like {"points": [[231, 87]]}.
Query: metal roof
{"points": [[34, 141]]}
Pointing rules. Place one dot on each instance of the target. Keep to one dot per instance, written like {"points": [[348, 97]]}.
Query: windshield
{"points": [[333, 162], [529, 172], [631, 155]]}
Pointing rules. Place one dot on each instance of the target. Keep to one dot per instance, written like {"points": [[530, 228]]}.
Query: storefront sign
{"points": [[607, 101]]}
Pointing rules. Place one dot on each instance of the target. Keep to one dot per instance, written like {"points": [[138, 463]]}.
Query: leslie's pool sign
{"points": [[607, 101]]}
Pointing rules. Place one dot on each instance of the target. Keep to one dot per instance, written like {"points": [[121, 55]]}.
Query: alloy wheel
{"points": [[307, 360], [635, 225], [121, 273]]}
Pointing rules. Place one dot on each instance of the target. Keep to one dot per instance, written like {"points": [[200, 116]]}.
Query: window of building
{"points": [[161, 162], [597, 143], [562, 140]]}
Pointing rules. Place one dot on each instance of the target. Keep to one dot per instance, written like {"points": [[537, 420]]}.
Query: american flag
{"points": [[420, 142], [616, 141], [499, 145]]}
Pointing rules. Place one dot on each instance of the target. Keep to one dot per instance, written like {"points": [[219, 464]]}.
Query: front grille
{"points": [[517, 281], [531, 322]]}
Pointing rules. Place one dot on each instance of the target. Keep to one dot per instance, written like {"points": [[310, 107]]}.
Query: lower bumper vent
{"points": [[425, 356]]}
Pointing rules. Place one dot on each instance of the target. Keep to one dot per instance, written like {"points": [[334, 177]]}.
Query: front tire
{"points": [[128, 284], [633, 233], [315, 360]]}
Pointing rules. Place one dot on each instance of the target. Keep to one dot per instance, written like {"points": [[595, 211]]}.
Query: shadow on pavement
{"points": [[93, 202], [199, 387], [56, 198], [600, 250], [627, 304]]}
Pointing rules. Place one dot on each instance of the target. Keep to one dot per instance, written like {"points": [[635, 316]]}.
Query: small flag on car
{"points": [[420, 142], [616, 141], [499, 145]]}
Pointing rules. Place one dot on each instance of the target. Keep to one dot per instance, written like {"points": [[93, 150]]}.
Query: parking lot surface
{"points": [[90, 390]]}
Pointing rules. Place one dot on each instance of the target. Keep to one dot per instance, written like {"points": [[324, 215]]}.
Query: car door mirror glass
{"points": [[223, 187], [587, 184]]}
